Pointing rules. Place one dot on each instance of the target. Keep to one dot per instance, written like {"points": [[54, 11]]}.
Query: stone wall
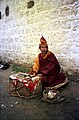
{"points": [[57, 21]]}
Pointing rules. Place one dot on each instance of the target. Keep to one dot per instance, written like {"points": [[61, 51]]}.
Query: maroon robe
{"points": [[50, 70]]}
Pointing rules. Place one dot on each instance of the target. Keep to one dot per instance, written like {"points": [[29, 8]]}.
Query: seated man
{"points": [[47, 66]]}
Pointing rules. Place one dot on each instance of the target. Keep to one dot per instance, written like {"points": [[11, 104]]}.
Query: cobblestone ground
{"points": [[14, 108]]}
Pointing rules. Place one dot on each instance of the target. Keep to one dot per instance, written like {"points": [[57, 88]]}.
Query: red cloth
{"points": [[50, 70], [30, 85]]}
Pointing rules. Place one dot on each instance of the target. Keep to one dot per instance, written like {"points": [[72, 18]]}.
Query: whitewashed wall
{"points": [[57, 21]]}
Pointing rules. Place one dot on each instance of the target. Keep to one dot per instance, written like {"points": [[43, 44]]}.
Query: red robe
{"points": [[50, 69]]}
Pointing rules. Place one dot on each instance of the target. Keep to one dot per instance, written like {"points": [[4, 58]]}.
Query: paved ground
{"points": [[14, 108]]}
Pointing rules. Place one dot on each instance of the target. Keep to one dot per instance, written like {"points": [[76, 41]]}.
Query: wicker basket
{"points": [[52, 96], [22, 89]]}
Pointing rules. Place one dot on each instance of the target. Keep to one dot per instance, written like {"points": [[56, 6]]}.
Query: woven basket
{"points": [[18, 88], [52, 96]]}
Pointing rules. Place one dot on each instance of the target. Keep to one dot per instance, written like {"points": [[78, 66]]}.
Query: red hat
{"points": [[43, 40]]}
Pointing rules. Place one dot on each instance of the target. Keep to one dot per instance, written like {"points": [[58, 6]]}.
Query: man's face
{"points": [[43, 49]]}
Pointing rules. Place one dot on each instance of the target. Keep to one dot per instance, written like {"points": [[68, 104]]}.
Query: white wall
{"points": [[57, 21]]}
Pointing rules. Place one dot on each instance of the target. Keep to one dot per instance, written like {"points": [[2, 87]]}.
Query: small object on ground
{"points": [[4, 66], [1, 66], [52, 96]]}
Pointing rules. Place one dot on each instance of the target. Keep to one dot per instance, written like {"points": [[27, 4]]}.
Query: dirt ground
{"points": [[14, 108]]}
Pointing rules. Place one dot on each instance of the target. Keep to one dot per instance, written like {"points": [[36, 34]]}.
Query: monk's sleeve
{"points": [[35, 67]]}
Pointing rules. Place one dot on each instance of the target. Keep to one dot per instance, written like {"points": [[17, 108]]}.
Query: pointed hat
{"points": [[43, 40]]}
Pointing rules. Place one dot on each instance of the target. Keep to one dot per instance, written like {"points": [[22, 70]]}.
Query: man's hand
{"points": [[34, 73]]}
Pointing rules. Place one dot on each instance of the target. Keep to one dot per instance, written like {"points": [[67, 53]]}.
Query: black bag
{"points": [[5, 66]]}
